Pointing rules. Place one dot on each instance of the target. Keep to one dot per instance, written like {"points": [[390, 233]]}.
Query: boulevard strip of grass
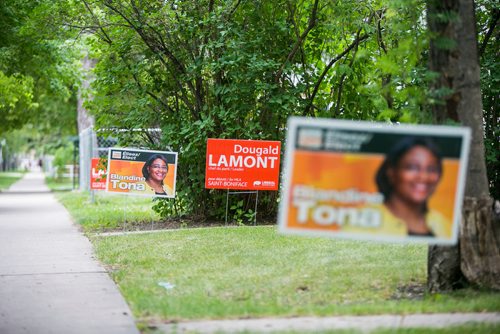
{"points": [[103, 212], [9, 178], [59, 184]]}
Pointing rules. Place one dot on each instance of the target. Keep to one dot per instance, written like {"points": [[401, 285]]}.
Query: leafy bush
{"points": [[62, 157]]}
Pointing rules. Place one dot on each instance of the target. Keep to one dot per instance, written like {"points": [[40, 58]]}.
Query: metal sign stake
{"points": [[256, 192]]}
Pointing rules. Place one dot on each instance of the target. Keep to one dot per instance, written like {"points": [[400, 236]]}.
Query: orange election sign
{"points": [[142, 172], [97, 176], [242, 164], [363, 180]]}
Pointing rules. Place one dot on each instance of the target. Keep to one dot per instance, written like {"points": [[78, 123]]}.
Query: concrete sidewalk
{"points": [[49, 279], [364, 324]]}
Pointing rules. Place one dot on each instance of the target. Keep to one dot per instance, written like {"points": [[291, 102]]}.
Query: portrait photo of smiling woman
{"points": [[154, 171], [407, 178]]}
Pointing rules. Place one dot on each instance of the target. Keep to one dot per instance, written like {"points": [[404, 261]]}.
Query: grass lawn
{"points": [[59, 184], [105, 211], [8, 178], [254, 272], [239, 272]]}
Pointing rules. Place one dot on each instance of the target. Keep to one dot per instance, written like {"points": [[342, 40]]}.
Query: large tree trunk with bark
{"points": [[477, 256], [479, 244]]}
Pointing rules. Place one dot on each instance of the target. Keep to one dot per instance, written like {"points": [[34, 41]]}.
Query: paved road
{"points": [[49, 279]]}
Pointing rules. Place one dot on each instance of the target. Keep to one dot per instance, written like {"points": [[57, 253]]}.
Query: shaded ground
{"points": [[174, 223], [412, 291]]}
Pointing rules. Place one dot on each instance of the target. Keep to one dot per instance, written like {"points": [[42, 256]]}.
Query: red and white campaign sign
{"points": [[97, 175], [242, 164]]}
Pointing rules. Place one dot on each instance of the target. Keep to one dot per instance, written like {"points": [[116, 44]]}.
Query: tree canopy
{"points": [[38, 72], [228, 69], [238, 69]]}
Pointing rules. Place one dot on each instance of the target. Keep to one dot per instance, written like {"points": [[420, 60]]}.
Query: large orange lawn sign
{"points": [[126, 169], [242, 164], [331, 186]]}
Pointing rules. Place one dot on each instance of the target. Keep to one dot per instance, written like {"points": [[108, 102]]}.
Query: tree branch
{"points": [[157, 50], [300, 40], [329, 65], [494, 20], [99, 25], [291, 10]]}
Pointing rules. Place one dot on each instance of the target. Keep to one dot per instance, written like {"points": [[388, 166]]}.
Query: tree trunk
{"points": [[458, 66], [443, 270], [479, 244]]}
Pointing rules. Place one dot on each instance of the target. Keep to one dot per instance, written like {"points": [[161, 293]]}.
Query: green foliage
{"points": [[239, 215], [239, 69], [487, 12], [211, 75], [38, 70], [62, 157], [28, 139], [16, 100], [234, 69]]}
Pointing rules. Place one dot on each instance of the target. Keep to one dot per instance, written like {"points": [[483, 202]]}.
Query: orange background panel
{"points": [[134, 168], [344, 171]]}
